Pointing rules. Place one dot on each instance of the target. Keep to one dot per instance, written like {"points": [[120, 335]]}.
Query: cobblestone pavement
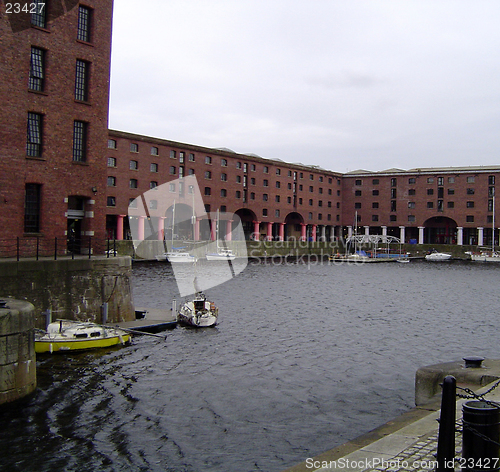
{"points": [[419, 457]]}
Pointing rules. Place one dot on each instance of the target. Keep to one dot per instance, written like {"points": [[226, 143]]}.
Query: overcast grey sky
{"points": [[343, 84]]}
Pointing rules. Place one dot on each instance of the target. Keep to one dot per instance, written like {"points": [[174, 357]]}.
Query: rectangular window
{"points": [[37, 68], [393, 182], [133, 165], [32, 206], [79, 141], [111, 161], [491, 180], [451, 204], [133, 183], [469, 218], [411, 205], [393, 193], [111, 144], [153, 167], [191, 157], [39, 13], [412, 180], [111, 181], [470, 179], [470, 204], [374, 217], [470, 191], [34, 138], [81, 80], [440, 181], [111, 201], [411, 191], [134, 147], [84, 24]]}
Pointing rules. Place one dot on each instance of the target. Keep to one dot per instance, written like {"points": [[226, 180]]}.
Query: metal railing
{"points": [[39, 247]]}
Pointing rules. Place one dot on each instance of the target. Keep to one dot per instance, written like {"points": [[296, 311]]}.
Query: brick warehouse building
{"points": [[55, 67], [273, 199], [453, 205], [65, 175]]}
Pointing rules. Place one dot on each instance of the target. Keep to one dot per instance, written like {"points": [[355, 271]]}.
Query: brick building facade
{"points": [[453, 205], [274, 200], [55, 66]]}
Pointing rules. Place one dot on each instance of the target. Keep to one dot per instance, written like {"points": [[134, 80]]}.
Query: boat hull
{"points": [[439, 256], [220, 257], [42, 346]]}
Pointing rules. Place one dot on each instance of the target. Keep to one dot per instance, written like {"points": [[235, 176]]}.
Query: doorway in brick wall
{"points": [[75, 214]]}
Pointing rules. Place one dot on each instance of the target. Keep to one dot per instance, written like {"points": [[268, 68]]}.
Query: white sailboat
{"points": [[488, 255], [222, 254], [176, 254]]}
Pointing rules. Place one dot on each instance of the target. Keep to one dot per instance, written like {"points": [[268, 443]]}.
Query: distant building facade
{"points": [[275, 200], [453, 205], [55, 70]]}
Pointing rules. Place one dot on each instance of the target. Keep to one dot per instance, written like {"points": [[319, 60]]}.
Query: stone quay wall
{"points": [[17, 350], [71, 289]]}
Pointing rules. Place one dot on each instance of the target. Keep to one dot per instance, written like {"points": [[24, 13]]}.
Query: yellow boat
{"points": [[67, 335]]}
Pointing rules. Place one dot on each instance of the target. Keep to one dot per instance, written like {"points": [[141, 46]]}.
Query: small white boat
{"points": [[198, 312], [437, 256], [176, 256], [68, 335], [485, 256], [221, 255]]}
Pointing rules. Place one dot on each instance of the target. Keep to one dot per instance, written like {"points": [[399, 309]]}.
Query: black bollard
{"points": [[481, 431], [446, 436]]}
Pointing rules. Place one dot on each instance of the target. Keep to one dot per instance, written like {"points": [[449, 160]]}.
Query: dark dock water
{"points": [[305, 357]]}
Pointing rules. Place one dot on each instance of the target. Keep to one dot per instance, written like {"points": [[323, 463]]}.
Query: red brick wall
{"points": [[144, 176], [56, 171]]}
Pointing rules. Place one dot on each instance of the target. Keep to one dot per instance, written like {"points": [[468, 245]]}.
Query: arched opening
{"points": [[440, 230], [248, 219], [293, 226]]}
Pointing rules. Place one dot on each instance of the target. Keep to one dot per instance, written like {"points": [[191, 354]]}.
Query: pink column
{"points": [[197, 229], [303, 232], [269, 231], [161, 228], [119, 227], [282, 231], [213, 230], [256, 230], [140, 228], [313, 232], [229, 230]]}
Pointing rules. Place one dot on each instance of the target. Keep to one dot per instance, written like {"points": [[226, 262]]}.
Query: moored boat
{"points": [[176, 255], [221, 255], [437, 256], [68, 335], [198, 312]]}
